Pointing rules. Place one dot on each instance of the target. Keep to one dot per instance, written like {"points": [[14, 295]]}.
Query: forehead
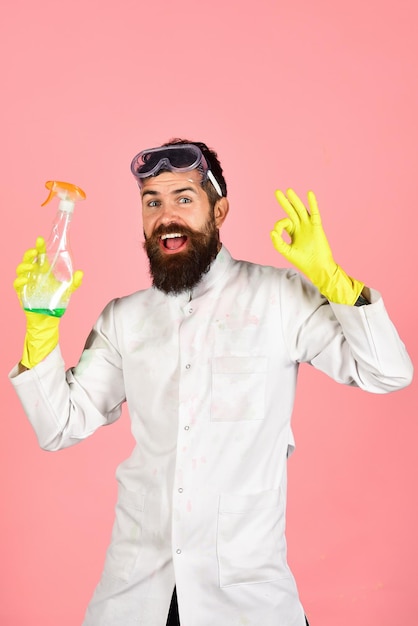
{"points": [[170, 182]]}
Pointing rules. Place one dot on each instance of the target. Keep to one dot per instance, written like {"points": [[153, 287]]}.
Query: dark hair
{"points": [[214, 166]]}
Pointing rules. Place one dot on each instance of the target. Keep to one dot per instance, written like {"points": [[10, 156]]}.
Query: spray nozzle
{"points": [[68, 193]]}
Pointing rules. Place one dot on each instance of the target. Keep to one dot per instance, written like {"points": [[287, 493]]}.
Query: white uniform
{"points": [[209, 379]]}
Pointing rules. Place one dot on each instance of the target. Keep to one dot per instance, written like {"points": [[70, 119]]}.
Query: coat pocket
{"points": [[126, 539], [251, 544], [238, 388]]}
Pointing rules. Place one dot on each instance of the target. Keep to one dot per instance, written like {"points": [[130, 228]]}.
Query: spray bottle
{"points": [[48, 289]]}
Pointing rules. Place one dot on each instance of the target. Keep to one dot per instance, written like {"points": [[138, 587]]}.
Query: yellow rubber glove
{"points": [[309, 250], [41, 330]]}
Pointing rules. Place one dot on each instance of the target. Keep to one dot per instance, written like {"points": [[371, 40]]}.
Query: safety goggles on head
{"points": [[182, 157]]}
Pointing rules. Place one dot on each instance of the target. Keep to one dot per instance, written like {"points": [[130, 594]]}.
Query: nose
{"points": [[169, 213]]}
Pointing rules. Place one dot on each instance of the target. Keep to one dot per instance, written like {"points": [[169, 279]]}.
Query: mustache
{"points": [[169, 229]]}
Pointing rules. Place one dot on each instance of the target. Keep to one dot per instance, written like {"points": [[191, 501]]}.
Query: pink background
{"points": [[320, 95]]}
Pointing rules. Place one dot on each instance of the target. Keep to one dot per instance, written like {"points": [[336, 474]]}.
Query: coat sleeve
{"points": [[356, 346], [66, 407]]}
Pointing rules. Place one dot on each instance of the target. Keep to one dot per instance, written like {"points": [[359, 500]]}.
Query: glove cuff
{"points": [[41, 338], [341, 288]]}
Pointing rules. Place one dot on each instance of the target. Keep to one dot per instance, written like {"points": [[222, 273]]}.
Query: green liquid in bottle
{"points": [[50, 312]]}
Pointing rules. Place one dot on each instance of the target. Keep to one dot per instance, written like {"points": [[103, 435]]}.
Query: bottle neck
{"points": [[59, 233]]}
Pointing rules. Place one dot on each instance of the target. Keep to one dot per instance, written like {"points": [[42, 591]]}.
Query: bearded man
{"points": [[207, 361]]}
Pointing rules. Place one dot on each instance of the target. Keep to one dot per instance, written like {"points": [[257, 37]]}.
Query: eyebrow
{"points": [[152, 192]]}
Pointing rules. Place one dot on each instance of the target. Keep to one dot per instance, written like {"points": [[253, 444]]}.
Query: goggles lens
{"points": [[176, 158]]}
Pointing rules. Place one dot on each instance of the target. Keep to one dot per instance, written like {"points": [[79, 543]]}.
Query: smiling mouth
{"points": [[172, 242]]}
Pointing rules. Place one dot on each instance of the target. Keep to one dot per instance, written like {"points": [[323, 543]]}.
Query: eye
{"points": [[153, 204], [184, 200]]}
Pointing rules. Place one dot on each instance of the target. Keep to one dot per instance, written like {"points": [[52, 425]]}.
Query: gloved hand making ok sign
{"points": [[309, 250]]}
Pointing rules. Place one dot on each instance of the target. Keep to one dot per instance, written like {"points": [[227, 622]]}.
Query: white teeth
{"points": [[171, 236]]}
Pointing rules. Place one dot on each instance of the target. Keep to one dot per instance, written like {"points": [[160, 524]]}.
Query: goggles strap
{"points": [[214, 182]]}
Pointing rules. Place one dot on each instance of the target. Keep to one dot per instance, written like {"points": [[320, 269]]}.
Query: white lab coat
{"points": [[209, 379]]}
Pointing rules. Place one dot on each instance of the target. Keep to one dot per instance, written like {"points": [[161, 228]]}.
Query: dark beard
{"points": [[175, 273]]}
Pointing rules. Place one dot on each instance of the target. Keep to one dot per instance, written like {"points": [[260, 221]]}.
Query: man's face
{"points": [[180, 228]]}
